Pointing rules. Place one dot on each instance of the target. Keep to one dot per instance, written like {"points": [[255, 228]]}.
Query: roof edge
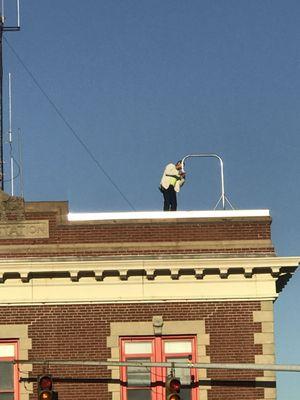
{"points": [[162, 215]]}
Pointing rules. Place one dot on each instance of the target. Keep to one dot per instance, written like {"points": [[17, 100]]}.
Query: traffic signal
{"points": [[45, 388], [173, 386]]}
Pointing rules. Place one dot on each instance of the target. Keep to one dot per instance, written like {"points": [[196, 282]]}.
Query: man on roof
{"points": [[172, 180]]}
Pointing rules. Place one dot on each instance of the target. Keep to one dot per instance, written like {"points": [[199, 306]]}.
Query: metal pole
{"points": [[1, 103], [18, 13], [20, 163], [2, 29], [10, 136], [189, 365], [221, 168]]}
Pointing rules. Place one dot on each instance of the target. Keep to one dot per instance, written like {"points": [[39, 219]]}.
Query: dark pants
{"points": [[170, 200]]}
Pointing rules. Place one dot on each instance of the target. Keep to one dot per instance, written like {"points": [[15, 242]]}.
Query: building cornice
{"points": [[151, 266], [66, 280]]}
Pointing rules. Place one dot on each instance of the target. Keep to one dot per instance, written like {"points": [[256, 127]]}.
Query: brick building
{"points": [[183, 286]]}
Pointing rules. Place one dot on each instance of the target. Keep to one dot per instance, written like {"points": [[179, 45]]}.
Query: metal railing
{"points": [[223, 197]]}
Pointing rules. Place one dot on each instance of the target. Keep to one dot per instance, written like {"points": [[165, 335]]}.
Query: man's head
{"points": [[178, 165]]}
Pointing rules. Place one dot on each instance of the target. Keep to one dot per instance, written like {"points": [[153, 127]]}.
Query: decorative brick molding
{"points": [[220, 247], [85, 279], [20, 332], [118, 329]]}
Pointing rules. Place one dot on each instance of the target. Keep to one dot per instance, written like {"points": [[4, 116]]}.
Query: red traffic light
{"points": [[45, 382], [173, 386]]}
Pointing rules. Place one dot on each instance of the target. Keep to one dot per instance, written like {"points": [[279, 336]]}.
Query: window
{"points": [[148, 383], [8, 371]]}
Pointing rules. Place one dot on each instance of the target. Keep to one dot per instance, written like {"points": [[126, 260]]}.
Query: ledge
{"points": [[162, 215], [92, 280], [279, 269]]}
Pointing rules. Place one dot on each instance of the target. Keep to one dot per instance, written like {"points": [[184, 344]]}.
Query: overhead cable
{"points": [[72, 130]]}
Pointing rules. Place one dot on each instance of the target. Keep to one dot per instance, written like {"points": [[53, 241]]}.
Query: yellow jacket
{"points": [[172, 177]]}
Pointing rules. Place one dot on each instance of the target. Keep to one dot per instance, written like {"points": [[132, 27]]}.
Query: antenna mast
{"points": [[10, 136], [4, 28]]}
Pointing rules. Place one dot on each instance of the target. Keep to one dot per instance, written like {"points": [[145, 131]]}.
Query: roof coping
{"points": [[157, 215]]}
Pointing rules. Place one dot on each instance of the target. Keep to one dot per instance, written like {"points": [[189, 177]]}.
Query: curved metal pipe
{"points": [[211, 155]]}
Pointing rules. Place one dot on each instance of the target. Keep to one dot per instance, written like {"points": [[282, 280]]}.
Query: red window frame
{"points": [[157, 355], [15, 368]]}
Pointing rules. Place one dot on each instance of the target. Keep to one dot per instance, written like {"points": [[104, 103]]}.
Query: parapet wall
{"points": [[44, 230]]}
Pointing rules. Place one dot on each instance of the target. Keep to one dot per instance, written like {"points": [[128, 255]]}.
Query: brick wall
{"points": [[80, 332], [120, 231], [144, 237]]}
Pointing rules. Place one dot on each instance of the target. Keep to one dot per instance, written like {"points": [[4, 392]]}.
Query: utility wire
{"points": [[74, 133]]}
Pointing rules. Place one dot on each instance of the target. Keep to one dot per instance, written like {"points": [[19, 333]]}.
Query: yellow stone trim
{"points": [[203, 394], [263, 338], [24, 230], [263, 316], [267, 327], [270, 393], [270, 375], [264, 359], [267, 306], [72, 263], [103, 279], [268, 348], [204, 244], [266, 339], [20, 332]]}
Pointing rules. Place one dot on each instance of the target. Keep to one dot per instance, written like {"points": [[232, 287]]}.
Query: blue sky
{"points": [[142, 83]]}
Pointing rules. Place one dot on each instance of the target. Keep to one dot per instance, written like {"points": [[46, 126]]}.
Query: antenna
{"points": [[14, 173], [4, 28], [10, 136], [18, 14], [21, 163]]}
